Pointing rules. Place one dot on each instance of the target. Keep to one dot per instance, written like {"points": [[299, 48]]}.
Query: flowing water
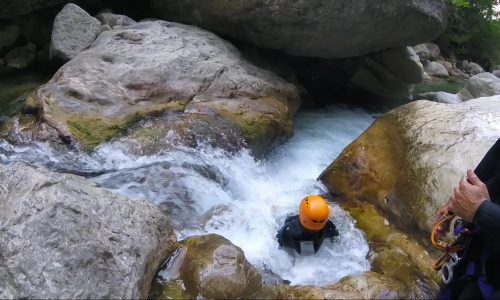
{"points": [[208, 190]]}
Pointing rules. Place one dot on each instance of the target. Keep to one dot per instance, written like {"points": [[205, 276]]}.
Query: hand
{"points": [[468, 196], [445, 226]]}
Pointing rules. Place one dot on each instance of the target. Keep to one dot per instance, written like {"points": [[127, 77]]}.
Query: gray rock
{"points": [[21, 57], [389, 74], [428, 51], [153, 67], [432, 145], [319, 28], [422, 51], [480, 85], [473, 68], [115, 20], [215, 268], [74, 31], [448, 65], [9, 34], [496, 73], [435, 69], [62, 237], [433, 50], [441, 97]]}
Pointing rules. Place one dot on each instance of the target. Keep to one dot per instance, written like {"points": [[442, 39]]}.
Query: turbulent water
{"points": [[207, 190]]}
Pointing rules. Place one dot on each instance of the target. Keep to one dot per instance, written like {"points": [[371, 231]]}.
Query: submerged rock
{"points": [[212, 267], [319, 28], [409, 160], [61, 237], [156, 66]]}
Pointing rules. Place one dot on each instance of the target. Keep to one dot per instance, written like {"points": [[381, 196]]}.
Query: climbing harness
{"points": [[451, 248], [454, 250]]}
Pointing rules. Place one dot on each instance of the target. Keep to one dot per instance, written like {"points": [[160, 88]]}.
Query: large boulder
{"points": [[156, 66], [62, 237], [389, 74], [409, 160], [319, 28], [480, 85], [74, 31]]}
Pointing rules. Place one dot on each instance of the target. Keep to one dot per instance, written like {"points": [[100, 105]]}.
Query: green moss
{"points": [[173, 289], [369, 220], [91, 131], [450, 85]]}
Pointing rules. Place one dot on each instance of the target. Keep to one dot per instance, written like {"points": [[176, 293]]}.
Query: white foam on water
{"points": [[208, 190]]}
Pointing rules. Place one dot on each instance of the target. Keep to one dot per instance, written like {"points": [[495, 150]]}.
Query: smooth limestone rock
{"points": [[318, 28], [74, 30], [441, 97], [62, 237], [435, 68], [156, 66], [408, 162], [210, 266], [473, 68], [480, 85]]}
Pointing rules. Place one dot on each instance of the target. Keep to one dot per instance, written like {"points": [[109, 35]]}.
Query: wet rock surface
{"points": [[152, 67], [409, 160], [61, 237]]}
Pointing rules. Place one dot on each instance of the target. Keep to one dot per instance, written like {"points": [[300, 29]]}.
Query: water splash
{"points": [[207, 190]]}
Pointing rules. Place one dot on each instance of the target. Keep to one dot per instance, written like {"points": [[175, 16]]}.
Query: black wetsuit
{"points": [[293, 234], [487, 224]]}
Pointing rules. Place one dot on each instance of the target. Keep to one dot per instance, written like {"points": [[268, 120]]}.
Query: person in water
{"points": [[306, 231]]}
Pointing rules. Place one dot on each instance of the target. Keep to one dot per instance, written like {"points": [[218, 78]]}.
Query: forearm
{"points": [[487, 219]]}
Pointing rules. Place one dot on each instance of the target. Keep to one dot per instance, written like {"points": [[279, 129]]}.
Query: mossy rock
{"points": [[215, 268]]}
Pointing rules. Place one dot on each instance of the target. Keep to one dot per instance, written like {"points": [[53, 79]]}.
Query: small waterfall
{"points": [[207, 190]]}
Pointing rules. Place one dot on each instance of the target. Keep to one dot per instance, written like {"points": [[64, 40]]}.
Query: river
{"points": [[208, 190]]}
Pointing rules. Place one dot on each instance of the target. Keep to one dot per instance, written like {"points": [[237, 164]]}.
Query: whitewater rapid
{"points": [[208, 190]]}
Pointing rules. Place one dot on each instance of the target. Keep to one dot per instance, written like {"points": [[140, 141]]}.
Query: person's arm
{"points": [[280, 236], [487, 167], [487, 219], [330, 230]]}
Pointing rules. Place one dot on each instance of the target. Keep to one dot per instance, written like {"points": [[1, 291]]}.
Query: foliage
{"points": [[473, 31]]}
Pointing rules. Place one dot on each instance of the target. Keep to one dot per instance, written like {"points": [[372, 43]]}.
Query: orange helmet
{"points": [[313, 212]]}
